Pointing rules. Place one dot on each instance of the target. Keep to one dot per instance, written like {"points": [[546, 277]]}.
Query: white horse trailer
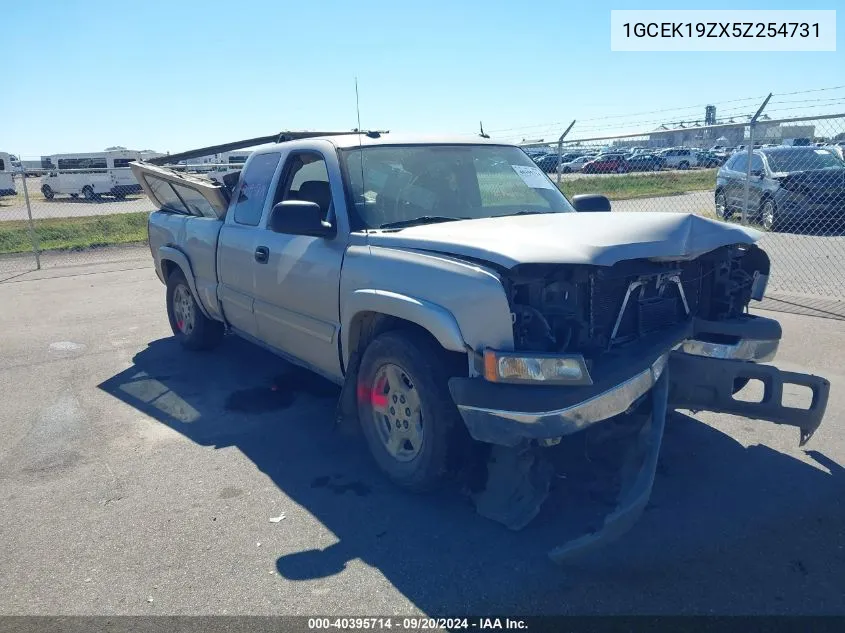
{"points": [[89, 175], [7, 175]]}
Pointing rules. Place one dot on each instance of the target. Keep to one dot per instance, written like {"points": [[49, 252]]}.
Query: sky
{"points": [[171, 76]]}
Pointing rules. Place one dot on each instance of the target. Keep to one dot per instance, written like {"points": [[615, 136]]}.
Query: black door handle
{"points": [[262, 254]]}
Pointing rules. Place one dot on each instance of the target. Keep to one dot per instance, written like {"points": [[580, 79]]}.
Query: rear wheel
{"points": [[47, 192], [194, 330], [406, 413], [88, 192]]}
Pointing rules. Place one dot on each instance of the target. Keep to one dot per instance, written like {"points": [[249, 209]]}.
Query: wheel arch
{"points": [[171, 259], [370, 312]]}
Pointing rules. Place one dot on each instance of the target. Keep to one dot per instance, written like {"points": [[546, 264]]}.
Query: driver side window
{"points": [[306, 178]]}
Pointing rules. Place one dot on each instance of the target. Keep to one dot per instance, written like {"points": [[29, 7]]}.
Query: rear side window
{"points": [[165, 194], [197, 205], [756, 163], [254, 185], [740, 163]]}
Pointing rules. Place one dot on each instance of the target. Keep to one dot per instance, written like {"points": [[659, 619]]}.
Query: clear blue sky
{"points": [[170, 76]]}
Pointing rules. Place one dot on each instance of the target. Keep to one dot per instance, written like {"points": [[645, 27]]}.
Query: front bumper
{"points": [[695, 367], [508, 414]]}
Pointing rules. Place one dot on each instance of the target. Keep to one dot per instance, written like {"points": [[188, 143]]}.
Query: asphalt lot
{"points": [[136, 478]]}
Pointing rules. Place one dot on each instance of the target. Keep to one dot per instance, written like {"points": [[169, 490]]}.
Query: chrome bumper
{"points": [[488, 424], [758, 351]]}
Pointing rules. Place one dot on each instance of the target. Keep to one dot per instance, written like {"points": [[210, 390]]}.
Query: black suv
{"points": [[789, 187]]}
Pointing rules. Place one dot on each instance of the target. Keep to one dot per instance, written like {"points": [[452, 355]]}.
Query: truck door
{"points": [[297, 280], [237, 246]]}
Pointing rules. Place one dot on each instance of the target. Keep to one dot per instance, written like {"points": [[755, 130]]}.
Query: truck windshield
{"points": [[395, 185]]}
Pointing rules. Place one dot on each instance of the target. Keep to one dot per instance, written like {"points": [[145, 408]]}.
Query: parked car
{"points": [[574, 165], [679, 158], [789, 187], [474, 317], [644, 162], [606, 164], [709, 159], [548, 163]]}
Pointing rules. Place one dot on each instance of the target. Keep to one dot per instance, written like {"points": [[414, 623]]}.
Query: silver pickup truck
{"points": [[477, 319]]}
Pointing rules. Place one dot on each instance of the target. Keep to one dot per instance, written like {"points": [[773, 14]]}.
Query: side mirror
{"points": [[299, 217], [759, 173], [590, 202]]}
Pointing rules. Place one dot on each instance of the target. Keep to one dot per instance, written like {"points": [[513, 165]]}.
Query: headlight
{"points": [[550, 369]]}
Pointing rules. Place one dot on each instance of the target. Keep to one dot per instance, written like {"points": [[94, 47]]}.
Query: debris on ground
{"points": [[278, 518]]}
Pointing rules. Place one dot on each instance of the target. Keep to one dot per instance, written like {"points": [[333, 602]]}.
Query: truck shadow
{"points": [[729, 530]]}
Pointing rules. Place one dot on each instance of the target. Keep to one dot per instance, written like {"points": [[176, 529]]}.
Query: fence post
{"points": [[560, 150], [33, 236], [751, 125]]}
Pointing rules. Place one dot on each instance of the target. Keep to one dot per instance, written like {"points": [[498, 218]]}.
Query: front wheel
{"points": [[194, 330], [405, 411], [88, 193], [722, 211], [768, 216], [47, 192]]}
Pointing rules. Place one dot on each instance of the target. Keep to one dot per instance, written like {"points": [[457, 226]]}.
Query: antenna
{"points": [[482, 134], [360, 141]]}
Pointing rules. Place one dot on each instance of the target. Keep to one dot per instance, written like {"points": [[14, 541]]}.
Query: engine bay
{"points": [[557, 308]]}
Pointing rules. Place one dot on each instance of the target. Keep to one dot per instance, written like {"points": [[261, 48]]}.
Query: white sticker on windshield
{"points": [[822, 152], [533, 176]]}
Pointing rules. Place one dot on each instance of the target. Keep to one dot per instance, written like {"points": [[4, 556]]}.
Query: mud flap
{"points": [[636, 482], [707, 384]]}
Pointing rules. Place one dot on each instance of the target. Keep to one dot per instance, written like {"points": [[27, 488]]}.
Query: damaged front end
{"points": [[605, 349]]}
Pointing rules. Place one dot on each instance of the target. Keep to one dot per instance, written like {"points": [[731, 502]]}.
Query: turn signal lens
{"points": [[551, 369]]}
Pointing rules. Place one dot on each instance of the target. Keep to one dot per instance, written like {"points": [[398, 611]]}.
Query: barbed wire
{"points": [[632, 116]]}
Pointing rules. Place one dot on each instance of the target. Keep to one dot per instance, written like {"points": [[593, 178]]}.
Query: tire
{"points": [[721, 201], [75, 196], [769, 216], [566, 170], [194, 330], [88, 193], [621, 169], [683, 165], [47, 192], [413, 446]]}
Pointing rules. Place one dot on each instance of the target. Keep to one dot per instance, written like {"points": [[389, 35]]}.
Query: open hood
{"points": [[601, 239]]}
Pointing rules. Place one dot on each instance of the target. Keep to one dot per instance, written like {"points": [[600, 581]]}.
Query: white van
{"points": [[7, 175], [89, 175]]}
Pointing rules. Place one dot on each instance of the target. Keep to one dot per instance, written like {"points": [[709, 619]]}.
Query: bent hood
{"points": [[601, 239]]}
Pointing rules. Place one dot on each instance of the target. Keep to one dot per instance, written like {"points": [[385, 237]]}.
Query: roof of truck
{"points": [[386, 138]]}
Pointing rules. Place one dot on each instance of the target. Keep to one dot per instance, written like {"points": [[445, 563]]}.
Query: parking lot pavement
{"points": [[136, 478]]}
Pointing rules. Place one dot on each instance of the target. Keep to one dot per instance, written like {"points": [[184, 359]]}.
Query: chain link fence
{"points": [[792, 189], [78, 209]]}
